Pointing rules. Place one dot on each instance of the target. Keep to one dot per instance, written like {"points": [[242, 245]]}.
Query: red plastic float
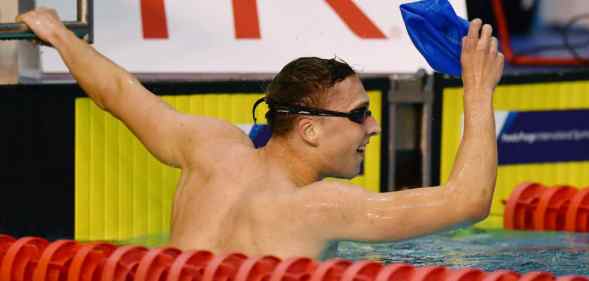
{"points": [[532, 206], [155, 264], [294, 269], [122, 263], [20, 260], [362, 271], [189, 266], [393, 272], [34, 259], [577, 215], [256, 268], [573, 278], [330, 270], [502, 275], [5, 242], [54, 262], [429, 273], [88, 263], [537, 276], [467, 274], [223, 267], [521, 206]]}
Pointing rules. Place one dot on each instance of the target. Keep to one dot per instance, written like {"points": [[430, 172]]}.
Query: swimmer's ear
{"points": [[308, 130]]}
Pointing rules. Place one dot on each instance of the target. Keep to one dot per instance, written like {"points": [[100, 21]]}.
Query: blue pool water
{"points": [[559, 253]]}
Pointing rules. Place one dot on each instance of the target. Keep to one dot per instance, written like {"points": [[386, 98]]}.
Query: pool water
{"points": [[558, 252], [561, 253]]}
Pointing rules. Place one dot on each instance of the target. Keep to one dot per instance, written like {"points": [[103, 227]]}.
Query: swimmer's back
{"points": [[230, 208]]}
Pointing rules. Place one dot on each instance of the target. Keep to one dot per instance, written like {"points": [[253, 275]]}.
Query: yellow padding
{"points": [[531, 97], [124, 193]]}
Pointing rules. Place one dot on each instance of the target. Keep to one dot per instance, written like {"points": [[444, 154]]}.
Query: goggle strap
{"points": [[261, 100]]}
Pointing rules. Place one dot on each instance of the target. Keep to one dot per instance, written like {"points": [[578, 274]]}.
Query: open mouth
{"points": [[361, 149]]}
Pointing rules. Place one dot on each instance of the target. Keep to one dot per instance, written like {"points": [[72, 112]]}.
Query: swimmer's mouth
{"points": [[361, 149]]}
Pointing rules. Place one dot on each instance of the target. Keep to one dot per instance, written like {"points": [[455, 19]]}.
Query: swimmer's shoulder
{"points": [[229, 144], [229, 134]]}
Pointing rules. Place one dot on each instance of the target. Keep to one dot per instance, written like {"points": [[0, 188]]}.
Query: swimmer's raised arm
{"points": [[349, 212], [167, 134]]}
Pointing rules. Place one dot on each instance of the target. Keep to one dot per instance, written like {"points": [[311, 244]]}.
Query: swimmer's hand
{"points": [[482, 64], [45, 23]]}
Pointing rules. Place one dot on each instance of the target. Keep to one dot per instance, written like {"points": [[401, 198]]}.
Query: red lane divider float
{"points": [[223, 267], [21, 258], [189, 265], [88, 262], [5, 242], [156, 263], [52, 265], [257, 268], [532, 206], [293, 269], [577, 215], [122, 263], [35, 259]]}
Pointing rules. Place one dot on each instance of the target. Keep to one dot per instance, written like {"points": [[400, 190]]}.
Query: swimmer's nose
{"points": [[373, 126]]}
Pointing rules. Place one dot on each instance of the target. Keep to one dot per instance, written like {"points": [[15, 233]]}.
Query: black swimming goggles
{"points": [[358, 115]]}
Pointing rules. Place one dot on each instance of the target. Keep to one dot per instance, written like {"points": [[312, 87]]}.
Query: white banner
{"points": [[248, 36]]}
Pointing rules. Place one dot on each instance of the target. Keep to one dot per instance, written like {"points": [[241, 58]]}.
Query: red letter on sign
{"points": [[355, 19], [153, 17], [245, 18]]}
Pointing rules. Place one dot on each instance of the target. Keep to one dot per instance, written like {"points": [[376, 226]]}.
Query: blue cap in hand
{"points": [[436, 31]]}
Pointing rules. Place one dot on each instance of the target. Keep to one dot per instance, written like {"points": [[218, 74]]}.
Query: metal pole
{"points": [[82, 27], [85, 11], [426, 135], [392, 143]]}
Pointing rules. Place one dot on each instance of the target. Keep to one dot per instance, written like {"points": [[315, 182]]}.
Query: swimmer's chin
{"points": [[348, 176]]}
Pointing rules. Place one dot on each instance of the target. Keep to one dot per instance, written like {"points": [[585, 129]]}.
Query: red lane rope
{"points": [[533, 206], [34, 258]]}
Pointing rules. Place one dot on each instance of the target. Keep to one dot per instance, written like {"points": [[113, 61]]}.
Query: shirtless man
{"points": [[273, 200]]}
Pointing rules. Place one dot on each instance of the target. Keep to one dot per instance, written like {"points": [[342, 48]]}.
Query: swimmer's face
{"points": [[343, 142]]}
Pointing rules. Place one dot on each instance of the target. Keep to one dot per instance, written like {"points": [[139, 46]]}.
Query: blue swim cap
{"points": [[436, 31]]}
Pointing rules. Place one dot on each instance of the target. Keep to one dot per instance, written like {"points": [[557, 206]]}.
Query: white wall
{"points": [[561, 11]]}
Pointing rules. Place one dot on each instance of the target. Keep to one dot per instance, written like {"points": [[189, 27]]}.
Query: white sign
{"points": [[250, 36]]}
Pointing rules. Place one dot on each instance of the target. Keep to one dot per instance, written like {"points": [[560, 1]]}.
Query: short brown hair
{"points": [[303, 82]]}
